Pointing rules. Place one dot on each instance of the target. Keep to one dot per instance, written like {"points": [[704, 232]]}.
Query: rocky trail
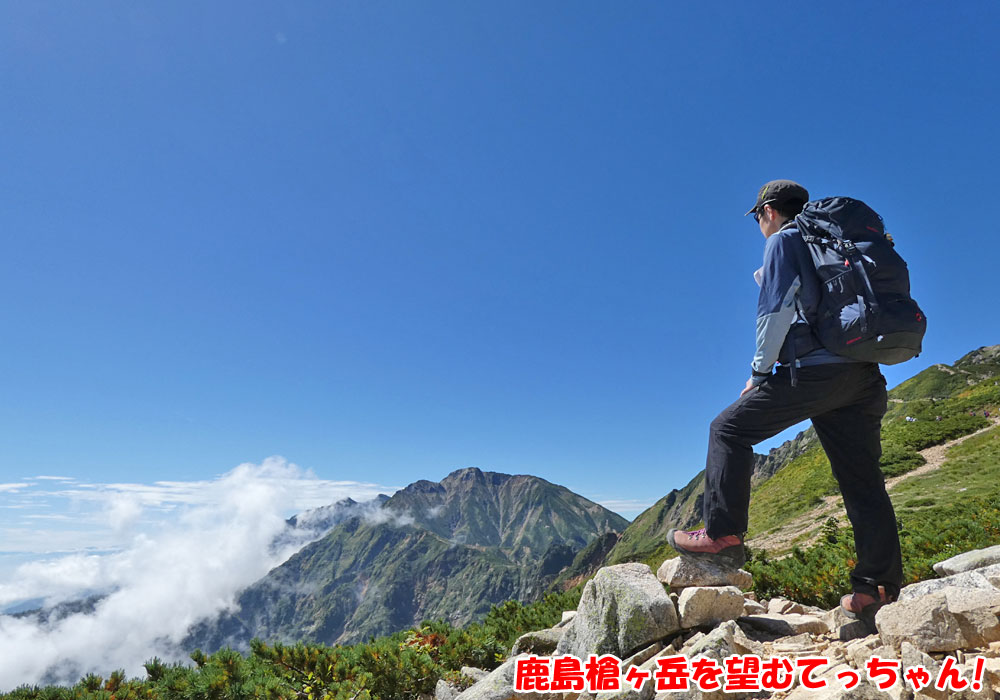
{"points": [[694, 613]]}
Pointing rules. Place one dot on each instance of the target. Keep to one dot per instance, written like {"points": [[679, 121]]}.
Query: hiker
{"points": [[845, 399]]}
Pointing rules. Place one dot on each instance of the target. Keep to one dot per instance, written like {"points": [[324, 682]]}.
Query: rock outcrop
{"points": [[622, 609], [699, 611]]}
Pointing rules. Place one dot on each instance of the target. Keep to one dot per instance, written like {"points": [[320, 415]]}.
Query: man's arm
{"points": [[780, 283]]}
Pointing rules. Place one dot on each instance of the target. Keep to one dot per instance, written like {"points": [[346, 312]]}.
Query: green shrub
{"points": [[898, 460], [926, 433]]}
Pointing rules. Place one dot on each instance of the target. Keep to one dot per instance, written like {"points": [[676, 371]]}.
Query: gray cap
{"points": [[778, 192]]}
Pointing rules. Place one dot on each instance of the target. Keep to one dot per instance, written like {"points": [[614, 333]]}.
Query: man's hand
{"points": [[750, 385]]}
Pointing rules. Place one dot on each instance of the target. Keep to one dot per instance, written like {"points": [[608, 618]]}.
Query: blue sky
{"points": [[389, 240]]}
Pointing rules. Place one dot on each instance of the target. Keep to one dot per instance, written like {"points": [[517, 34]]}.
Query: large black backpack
{"points": [[865, 311]]}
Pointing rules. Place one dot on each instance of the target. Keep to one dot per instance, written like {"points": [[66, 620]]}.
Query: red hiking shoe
{"points": [[862, 606], [696, 544]]}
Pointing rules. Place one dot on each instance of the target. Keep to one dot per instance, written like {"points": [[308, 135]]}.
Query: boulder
{"points": [[945, 620], [622, 609], [683, 573], [986, 578], [976, 559], [540, 643], [752, 607], [709, 605]]}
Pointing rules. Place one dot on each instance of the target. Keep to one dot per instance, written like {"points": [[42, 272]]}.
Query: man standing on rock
{"points": [[844, 398]]}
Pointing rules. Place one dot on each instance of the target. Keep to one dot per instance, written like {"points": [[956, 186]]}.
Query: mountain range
{"points": [[447, 550]]}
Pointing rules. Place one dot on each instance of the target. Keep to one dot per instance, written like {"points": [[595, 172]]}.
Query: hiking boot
{"points": [[863, 607], [696, 544]]}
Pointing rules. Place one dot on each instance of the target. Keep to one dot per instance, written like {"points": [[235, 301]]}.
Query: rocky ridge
{"points": [[698, 609]]}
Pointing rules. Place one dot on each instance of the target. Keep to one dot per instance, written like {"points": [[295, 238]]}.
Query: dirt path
{"points": [[807, 525]]}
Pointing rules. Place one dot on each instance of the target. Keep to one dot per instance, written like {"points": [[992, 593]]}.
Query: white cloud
{"points": [[387, 516], [178, 566], [123, 513], [13, 488]]}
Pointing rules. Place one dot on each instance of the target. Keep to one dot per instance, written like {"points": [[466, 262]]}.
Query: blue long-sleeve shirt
{"points": [[789, 295]]}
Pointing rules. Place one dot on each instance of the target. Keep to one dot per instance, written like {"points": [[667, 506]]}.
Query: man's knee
{"points": [[726, 427], [721, 424]]}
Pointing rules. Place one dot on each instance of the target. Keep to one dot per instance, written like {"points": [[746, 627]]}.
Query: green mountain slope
{"points": [[940, 410]]}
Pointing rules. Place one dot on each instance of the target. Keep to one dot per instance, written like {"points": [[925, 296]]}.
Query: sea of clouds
{"points": [[170, 554]]}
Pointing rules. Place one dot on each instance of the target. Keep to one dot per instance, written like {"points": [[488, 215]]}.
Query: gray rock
{"points": [[567, 616], [683, 573], [641, 657], [752, 607], [986, 578], [860, 650], [540, 643], [976, 559], [783, 606], [725, 640], [709, 605], [691, 641], [445, 691], [476, 674], [742, 644], [911, 657], [646, 661], [622, 609], [786, 625], [499, 685], [717, 644], [945, 620]]}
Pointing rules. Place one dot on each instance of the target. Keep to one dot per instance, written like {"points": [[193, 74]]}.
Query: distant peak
{"points": [[470, 476], [424, 486], [466, 473]]}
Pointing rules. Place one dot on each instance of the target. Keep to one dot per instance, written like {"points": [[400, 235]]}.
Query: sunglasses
{"points": [[758, 211]]}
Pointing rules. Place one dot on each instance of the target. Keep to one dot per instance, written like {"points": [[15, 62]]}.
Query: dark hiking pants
{"points": [[846, 403]]}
